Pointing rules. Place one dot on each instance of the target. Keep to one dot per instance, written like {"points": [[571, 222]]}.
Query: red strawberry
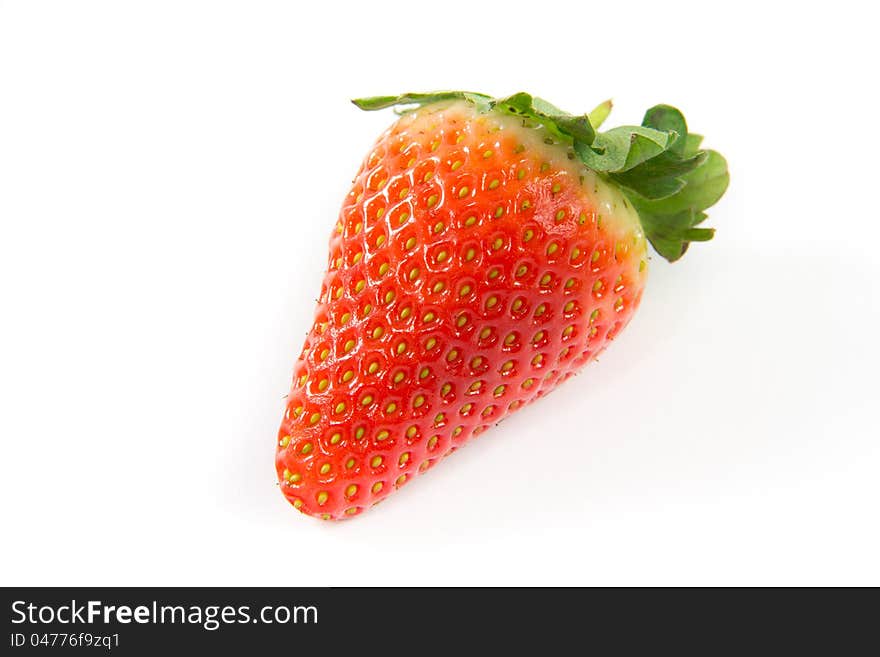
{"points": [[487, 250]]}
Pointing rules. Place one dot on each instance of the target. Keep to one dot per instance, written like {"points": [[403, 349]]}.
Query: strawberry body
{"points": [[475, 265]]}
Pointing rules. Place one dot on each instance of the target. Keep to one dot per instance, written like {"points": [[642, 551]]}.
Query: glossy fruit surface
{"points": [[474, 266]]}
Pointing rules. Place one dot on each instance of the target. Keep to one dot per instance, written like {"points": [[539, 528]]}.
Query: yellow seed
{"points": [[597, 286], [424, 373], [401, 347], [464, 291], [476, 362], [528, 235], [405, 312], [324, 354], [456, 164], [391, 407], [295, 478], [521, 174], [441, 257], [537, 360], [403, 217], [430, 343], [540, 310], [414, 273], [538, 336], [487, 154], [439, 226], [383, 269], [494, 184], [418, 401], [457, 431], [517, 304], [350, 512], [545, 279], [469, 255], [595, 256], [452, 355], [322, 498], [377, 487], [340, 407], [568, 307], [297, 503], [359, 433], [556, 187], [490, 303], [412, 431], [553, 248], [507, 366], [399, 377], [357, 258], [410, 243], [432, 443], [335, 438], [439, 419], [360, 286], [284, 442], [286, 474], [403, 193], [569, 283], [476, 385], [575, 253], [618, 305], [377, 332], [499, 391], [367, 310], [325, 468], [349, 345], [347, 376], [568, 331], [306, 449], [351, 490], [432, 200], [470, 221], [594, 315], [521, 271], [485, 333], [510, 339], [497, 244], [464, 191], [445, 389], [389, 296], [367, 400], [461, 321], [345, 318], [349, 464], [560, 215], [315, 418], [466, 409], [376, 461]]}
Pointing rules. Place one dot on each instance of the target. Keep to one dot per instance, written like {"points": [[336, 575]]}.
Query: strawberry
{"points": [[487, 250]]}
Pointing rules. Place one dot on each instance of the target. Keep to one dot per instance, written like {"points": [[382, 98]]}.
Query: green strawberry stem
{"points": [[658, 165]]}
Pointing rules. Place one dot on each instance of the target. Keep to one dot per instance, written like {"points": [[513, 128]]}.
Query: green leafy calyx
{"points": [[658, 164]]}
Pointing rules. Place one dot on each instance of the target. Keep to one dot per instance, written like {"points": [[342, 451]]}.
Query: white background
{"points": [[169, 175]]}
